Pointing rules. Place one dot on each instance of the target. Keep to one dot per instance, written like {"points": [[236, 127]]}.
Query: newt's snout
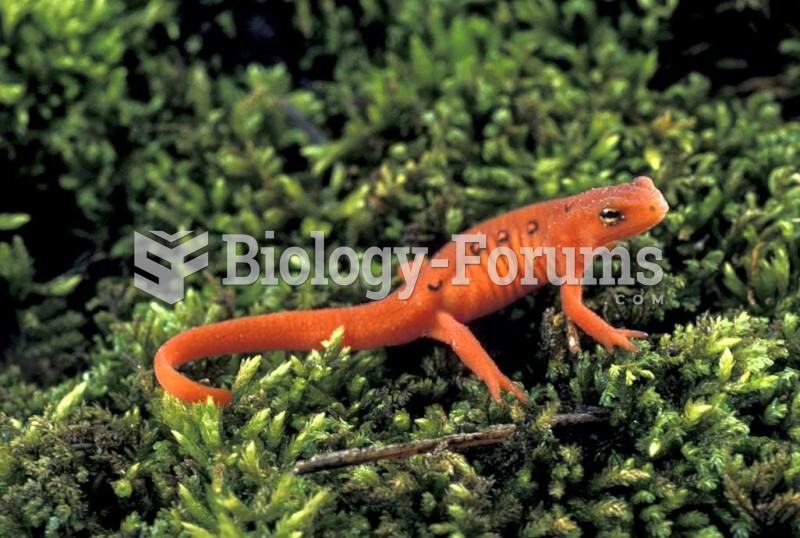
{"points": [[658, 204]]}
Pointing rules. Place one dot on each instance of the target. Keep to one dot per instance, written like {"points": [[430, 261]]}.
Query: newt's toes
{"points": [[621, 338], [500, 382], [633, 334], [494, 390], [625, 344], [509, 386]]}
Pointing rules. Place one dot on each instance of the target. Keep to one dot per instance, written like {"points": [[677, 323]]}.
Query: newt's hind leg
{"points": [[456, 335]]}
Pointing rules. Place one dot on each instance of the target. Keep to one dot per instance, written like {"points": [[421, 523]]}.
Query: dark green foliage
{"points": [[456, 111]]}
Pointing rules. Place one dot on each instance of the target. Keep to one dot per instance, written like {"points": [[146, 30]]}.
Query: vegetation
{"points": [[390, 127]]}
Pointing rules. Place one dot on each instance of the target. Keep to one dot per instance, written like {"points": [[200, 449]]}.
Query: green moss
{"points": [[463, 111]]}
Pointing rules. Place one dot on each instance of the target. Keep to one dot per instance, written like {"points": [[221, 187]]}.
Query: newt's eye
{"points": [[610, 217]]}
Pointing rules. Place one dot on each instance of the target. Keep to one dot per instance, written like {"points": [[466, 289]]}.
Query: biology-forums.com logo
{"points": [[167, 263], [164, 261]]}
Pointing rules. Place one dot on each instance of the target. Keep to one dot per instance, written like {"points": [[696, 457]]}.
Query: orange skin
{"points": [[436, 308]]}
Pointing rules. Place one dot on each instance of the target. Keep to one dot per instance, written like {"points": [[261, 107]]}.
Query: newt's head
{"points": [[607, 214]]}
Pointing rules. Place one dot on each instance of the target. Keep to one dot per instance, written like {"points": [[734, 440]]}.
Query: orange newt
{"points": [[436, 308]]}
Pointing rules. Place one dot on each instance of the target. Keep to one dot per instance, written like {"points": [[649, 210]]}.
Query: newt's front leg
{"points": [[594, 325], [456, 335]]}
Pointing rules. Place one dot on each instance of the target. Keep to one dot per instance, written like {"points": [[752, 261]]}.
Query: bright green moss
{"points": [[467, 110]]}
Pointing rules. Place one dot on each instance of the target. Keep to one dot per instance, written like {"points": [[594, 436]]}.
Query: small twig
{"points": [[494, 435]]}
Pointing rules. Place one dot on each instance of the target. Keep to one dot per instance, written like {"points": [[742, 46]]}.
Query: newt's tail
{"points": [[386, 322]]}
